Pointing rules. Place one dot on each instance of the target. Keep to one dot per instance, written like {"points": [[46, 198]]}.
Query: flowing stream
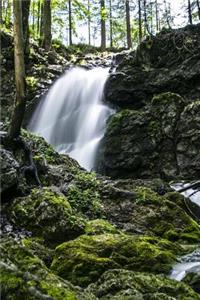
{"points": [[190, 262], [73, 116]]}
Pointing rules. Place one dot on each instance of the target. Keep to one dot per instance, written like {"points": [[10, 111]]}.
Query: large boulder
{"points": [[25, 276], [47, 214], [128, 285], [159, 141], [84, 259], [169, 61]]}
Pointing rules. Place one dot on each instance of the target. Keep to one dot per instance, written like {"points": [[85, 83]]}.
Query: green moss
{"points": [[99, 226], [47, 214], [128, 285], [147, 196], [83, 195], [115, 121], [83, 260], [24, 276]]}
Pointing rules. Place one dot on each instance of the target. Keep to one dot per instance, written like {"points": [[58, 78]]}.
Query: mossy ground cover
{"points": [[84, 259]]}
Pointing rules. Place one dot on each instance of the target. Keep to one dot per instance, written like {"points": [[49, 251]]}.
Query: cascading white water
{"points": [[72, 117]]}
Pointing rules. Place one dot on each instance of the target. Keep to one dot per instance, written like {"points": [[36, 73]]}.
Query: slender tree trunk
{"points": [[157, 16], [20, 102], [140, 20], [25, 24], [103, 26], [46, 42], [111, 24], [128, 25], [189, 12], [89, 21], [145, 17], [33, 14], [38, 18], [41, 19], [70, 22], [1, 6], [198, 7]]}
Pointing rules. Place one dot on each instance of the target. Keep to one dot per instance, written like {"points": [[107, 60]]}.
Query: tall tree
{"points": [[89, 23], [128, 25], [111, 24], [46, 38], [140, 20], [103, 25], [70, 22], [20, 102], [189, 12], [25, 23], [1, 6]]}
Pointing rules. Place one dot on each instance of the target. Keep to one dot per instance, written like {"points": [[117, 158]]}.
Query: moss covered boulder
{"points": [[99, 226], [128, 285], [193, 280], [84, 259], [149, 213], [24, 276], [47, 214], [83, 195]]}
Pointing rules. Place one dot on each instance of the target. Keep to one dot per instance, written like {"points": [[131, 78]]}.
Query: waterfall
{"points": [[72, 116]]}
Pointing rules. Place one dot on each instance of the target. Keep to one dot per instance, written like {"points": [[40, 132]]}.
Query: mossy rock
{"points": [[84, 259], [128, 285], [193, 280], [38, 248], [99, 226], [83, 195], [24, 276], [47, 214], [151, 214]]}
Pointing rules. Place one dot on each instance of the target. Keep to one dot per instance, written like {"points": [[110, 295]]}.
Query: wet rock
{"points": [[9, 171], [160, 141]]}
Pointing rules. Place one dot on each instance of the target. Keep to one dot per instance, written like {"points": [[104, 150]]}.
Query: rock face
{"points": [[168, 62], [161, 140], [156, 91], [9, 171]]}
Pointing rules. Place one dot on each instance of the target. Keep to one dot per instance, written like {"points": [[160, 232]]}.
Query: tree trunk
{"points": [[46, 42], [1, 6], [25, 24], [140, 20], [189, 12], [20, 102], [145, 18], [198, 7], [103, 26], [89, 21], [128, 25], [157, 16], [70, 22], [33, 20], [41, 19], [111, 24]]}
